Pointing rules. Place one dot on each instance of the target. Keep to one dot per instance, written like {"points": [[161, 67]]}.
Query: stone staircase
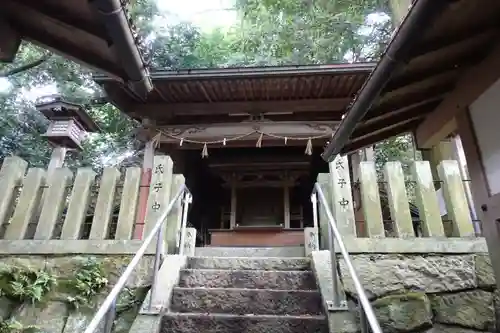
{"points": [[247, 295]]}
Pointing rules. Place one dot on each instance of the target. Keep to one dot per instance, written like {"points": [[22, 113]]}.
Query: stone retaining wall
{"points": [[429, 293], [56, 315]]}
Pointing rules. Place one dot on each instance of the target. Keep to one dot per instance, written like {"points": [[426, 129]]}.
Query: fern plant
{"points": [[25, 285], [13, 326], [89, 281]]}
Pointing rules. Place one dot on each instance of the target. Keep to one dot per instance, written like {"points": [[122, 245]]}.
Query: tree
{"points": [[269, 32]]}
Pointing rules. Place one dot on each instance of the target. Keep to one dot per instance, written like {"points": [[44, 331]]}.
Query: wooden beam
{"points": [[291, 106], [279, 130], [57, 13], [69, 48], [426, 104], [117, 96], [396, 117], [446, 65], [382, 134], [373, 129], [331, 117], [424, 88], [469, 87], [247, 164], [448, 40], [9, 41]]}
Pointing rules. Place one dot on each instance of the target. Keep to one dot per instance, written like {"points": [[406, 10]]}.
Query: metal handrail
{"points": [[366, 308], [108, 307], [187, 200]]}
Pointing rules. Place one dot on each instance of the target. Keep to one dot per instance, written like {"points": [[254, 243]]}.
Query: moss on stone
{"points": [[405, 297], [403, 312]]}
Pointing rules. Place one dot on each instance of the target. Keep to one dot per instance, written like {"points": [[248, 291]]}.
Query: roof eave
{"points": [[243, 72], [421, 14]]}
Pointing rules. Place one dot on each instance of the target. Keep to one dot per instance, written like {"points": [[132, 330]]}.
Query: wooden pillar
{"points": [[286, 205], [232, 221], [147, 167]]}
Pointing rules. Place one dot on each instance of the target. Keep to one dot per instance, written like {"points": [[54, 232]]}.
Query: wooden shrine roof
{"points": [[301, 93], [98, 34], [458, 38]]}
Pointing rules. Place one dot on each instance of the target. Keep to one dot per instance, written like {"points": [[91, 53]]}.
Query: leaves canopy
{"points": [[266, 33]]}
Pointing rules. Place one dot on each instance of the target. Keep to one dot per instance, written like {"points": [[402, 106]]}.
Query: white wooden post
{"points": [[29, 201], [232, 221], [11, 175], [54, 200], [455, 198], [398, 200], [128, 204], [426, 199], [174, 220], [105, 204], [286, 205], [78, 204], [341, 196], [159, 192], [374, 224]]}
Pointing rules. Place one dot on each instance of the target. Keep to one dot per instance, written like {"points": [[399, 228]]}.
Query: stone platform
{"points": [[257, 236]]}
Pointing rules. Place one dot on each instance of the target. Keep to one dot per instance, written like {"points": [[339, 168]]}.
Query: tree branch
{"points": [[25, 67]]}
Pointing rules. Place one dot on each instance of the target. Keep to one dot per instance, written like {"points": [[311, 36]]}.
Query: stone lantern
{"points": [[69, 126]]}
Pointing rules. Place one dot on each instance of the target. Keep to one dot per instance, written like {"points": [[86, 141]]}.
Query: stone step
{"points": [[223, 323], [213, 278], [280, 251], [245, 301], [238, 263]]}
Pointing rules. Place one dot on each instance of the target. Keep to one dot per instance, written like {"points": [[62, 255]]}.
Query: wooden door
{"points": [[259, 206]]}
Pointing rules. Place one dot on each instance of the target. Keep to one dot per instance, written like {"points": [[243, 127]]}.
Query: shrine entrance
{"points": [[247, 140], [253, 197]]}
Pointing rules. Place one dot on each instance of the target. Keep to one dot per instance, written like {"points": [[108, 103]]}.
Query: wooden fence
{"points": [[63, 205], [379, 206]]}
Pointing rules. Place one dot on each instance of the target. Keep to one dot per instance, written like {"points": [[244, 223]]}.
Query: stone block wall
{"points": [[56, 313], [430, 275], [427, 293]]}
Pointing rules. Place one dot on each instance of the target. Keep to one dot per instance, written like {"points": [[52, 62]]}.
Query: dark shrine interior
{"points": [[211, 198]]}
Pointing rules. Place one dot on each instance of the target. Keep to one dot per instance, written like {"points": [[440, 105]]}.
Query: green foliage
{"points": [[402, 149], [130, 299], [13, 326], [89, 280], [269, 32], [25, 285], [395, 149]]}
